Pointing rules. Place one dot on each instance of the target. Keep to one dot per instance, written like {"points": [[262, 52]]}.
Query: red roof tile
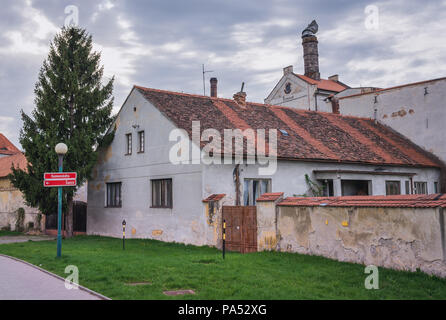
{"points": [[6, 147], [400, 201], [6, 162], [214, 197], [314, 136], [273, 196], [324, 84]]}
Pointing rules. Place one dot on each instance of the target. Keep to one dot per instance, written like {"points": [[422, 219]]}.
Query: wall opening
{"points": [[356, 187]]}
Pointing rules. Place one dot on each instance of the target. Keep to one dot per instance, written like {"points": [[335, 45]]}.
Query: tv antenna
{"points": [[204, 83]]}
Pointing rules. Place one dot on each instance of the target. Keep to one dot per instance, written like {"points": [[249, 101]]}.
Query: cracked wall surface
{"points": [[397, 238]]}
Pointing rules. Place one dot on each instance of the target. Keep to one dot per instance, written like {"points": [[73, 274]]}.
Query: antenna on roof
{"points": [[204, 84]]}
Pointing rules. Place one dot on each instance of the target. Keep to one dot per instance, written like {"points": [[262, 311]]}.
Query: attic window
{"points": [[284, 132]]}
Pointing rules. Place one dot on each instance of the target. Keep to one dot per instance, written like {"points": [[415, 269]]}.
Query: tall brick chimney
{"points": [[311, 54], [213, 87]]}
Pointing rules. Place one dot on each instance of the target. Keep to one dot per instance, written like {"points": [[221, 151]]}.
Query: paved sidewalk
{"points": [[22, 281], [24, 238]]}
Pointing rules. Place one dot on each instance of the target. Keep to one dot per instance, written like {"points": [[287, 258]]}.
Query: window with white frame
{"points": [[128, 143], [420, 187], [161, 193], [141, 138], [253, 189]]}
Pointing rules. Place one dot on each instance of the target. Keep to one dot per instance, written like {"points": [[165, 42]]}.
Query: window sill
{"points": [[152, 207], [127, 154], [113, 207], [140, 152]]}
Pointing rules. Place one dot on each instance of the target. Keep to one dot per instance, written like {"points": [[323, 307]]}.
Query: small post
{"points": [[123, 234], [224, 237]]}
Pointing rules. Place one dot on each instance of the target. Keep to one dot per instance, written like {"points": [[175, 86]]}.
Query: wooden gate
{"points": [[241, 228]]}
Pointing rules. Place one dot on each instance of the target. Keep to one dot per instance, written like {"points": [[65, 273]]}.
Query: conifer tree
{"points": [[72, 105]]}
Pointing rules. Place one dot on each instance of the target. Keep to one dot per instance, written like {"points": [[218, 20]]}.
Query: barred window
{"points": [[114, 194], [162, 193], [420, 187], [129, 143], [141, 141]]}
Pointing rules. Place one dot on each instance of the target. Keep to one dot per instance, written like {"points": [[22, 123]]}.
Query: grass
{"points": [[107, 269], [7, 233]]}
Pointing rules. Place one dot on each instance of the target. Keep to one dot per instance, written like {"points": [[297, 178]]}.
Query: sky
{"points": [[162, 44]]}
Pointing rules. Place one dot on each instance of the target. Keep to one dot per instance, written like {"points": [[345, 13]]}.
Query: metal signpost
{"points": [[60, 179]]}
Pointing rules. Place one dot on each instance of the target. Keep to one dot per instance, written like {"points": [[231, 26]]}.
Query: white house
{"points": [[155, 174]]}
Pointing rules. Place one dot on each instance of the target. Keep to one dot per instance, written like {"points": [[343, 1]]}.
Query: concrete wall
{"points": [[11, 199], [408, 110], [397, 238], [186, 222]]}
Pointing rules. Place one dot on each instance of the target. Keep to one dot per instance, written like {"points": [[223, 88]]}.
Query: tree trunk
{"points": [[69, 217]]}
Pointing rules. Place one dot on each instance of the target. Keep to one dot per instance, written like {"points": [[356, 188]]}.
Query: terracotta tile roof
{"points": [[324, 84], [6, 147], [214, 197], [312, 136], [273, 196], [6, 162], [401, 201]]}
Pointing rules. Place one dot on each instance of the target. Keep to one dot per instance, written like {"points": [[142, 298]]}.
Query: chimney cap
{"points": [[287, 70], [311, 29], [334, 77], [213, 79]]}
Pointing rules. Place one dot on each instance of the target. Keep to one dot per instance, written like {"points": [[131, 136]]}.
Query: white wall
{"points": [[185, 222], [420, 117]]}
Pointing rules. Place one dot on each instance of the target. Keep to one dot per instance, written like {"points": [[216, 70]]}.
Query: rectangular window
{"points": [[162, 193], [420, 187], [141, 141], [114, 194], [253, 189], [436, 189], [407, 183], [129, 143], [393, 187]]}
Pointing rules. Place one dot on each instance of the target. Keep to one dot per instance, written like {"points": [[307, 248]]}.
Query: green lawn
{"points": [[107, 269], [4, 233]]}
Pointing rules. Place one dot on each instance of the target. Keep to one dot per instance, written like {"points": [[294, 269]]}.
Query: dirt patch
{"points": [[178, 292]]}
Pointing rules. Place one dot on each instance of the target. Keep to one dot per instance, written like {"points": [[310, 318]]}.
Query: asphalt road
{"points": [[20, 281]]}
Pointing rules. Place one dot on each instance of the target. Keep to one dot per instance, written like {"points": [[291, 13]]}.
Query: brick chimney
{"points": [[311, 54], [240, 97], [214, 87]]}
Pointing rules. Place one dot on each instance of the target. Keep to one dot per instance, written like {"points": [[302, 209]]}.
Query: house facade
{"points": [[161, 185]]}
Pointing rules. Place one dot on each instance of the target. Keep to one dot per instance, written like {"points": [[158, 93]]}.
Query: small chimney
{"points": [[240, 97], [311, 54], [214, 87], [334, 104], [287, 70], [334, 77]]}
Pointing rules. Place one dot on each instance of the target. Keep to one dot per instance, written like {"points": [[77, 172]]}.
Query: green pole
{"points": [[59, 212]]}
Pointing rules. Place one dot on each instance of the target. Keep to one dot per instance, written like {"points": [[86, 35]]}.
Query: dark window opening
{"points": [[162, 193], [356, 187], [393, 188], [327, 187], [436, 189], [407, 183], [114, 194]]}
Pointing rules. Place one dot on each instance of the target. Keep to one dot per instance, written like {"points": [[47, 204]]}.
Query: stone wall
{"points": [[397, 238], [11, 200]]}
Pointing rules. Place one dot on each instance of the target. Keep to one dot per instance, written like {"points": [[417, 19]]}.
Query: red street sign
{"points": [[60, 175], [60, 179]]}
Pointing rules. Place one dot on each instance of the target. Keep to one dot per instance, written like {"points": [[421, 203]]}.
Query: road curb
{"points": [[102, 297]]}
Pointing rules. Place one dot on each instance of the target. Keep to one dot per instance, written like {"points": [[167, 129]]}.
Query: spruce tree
{"points": [[73, 106]]}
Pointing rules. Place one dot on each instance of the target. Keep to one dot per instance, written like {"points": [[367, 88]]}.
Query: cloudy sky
{"points": [[163, 44]]}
